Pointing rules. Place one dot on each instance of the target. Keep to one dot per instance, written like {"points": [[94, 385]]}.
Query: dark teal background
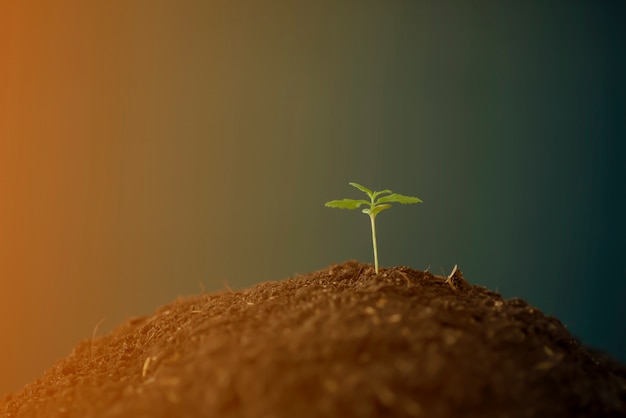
{"points": [[508, 120], [151, 149]]}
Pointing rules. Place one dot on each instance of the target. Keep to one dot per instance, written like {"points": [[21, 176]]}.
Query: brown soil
{"points": [[340, 342]]}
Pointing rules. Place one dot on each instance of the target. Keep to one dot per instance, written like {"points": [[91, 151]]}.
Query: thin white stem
{"points": [[374, 242]]}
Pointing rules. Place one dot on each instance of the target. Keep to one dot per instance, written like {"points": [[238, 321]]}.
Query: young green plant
{"points": [[379, 201]]}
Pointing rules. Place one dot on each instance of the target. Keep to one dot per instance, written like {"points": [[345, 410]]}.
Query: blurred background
{"points": [[153, 149]]}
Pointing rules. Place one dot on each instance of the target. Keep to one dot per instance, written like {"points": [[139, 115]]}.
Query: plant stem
{"points": [[374, 242]]}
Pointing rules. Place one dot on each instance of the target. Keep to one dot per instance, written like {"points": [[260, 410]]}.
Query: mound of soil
{"points": [[339, 342]]}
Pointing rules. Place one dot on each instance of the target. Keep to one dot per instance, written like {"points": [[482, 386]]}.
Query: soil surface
{"points": [[339, 342]]}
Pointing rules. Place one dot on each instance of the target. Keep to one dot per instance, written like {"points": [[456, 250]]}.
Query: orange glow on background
{"points": [[152, 148]]}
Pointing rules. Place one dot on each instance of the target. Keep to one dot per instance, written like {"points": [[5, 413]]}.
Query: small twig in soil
{"points": [[146, 364], [450, 281], [93, 336], [455, 280], [95, 329], [225, 284]]}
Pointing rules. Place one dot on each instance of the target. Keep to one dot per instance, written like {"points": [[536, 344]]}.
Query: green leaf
{"points": [[376, 194], [362, 188], [346, 203], [398, 198], [375, 210]]}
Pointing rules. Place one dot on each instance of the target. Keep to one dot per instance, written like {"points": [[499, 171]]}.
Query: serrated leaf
{"points": [[362, 188], [346, 203], [399, 198]]}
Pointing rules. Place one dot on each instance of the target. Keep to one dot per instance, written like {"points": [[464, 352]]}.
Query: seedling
{"points": [[377, 204]]}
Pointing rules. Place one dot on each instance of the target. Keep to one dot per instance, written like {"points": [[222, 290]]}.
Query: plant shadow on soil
{"points": [[339, 342]]}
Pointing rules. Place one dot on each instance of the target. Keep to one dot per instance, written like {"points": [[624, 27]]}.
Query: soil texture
{"points": [[339, 342]]}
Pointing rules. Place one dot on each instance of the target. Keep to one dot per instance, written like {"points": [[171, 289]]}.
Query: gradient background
{"points": [[150, 149]]}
